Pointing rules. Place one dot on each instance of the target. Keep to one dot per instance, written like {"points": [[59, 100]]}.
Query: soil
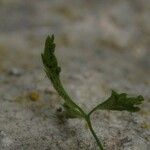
{"points": [[100, 46]]}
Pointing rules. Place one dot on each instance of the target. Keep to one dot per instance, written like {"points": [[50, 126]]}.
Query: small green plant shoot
{"points": [[116, 102]]}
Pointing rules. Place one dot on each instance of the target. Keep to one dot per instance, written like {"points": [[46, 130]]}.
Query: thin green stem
{"points": [[93, 133], [60, 89], [64, 95]]}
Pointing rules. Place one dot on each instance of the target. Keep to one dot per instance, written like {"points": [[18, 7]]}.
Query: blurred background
{"points": [[100, 45]]}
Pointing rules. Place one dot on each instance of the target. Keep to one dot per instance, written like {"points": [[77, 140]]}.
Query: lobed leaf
{"points": [[53, 70], [49, 60], [121, 102]]}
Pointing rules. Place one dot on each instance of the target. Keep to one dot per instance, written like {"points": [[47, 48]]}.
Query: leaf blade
{"points": [[120, 102], [53, 72]]}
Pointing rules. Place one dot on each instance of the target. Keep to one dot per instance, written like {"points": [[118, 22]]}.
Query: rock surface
{"points": [[101, 45]]}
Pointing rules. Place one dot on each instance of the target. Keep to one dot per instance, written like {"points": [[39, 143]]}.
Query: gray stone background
{"points": [[101, 45]]}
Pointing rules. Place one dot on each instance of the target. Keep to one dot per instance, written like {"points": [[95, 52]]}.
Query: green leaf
{"points": [[120, 102], [49, 59], [53, 71]]}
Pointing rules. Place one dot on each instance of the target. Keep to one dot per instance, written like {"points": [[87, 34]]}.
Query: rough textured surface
{"points": [[101, 45]]}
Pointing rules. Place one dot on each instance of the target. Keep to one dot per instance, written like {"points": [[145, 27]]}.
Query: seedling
{"points": [[116, 102]]}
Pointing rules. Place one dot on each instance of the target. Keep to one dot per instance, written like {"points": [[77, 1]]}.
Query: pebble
{"points": [[34, 95], [15, 72]]}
